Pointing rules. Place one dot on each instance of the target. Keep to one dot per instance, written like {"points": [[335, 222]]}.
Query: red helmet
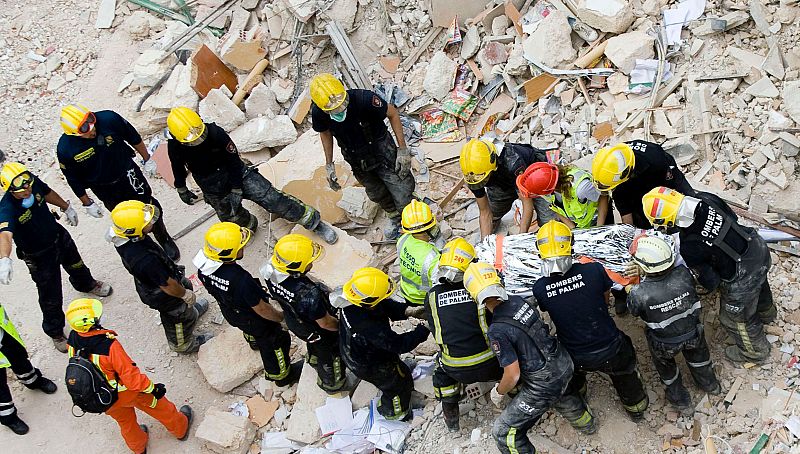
{"points": [[538, 179]]}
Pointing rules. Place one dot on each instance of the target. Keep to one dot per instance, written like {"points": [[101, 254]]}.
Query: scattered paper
{"points": [[644, 74], [389, 436], [423, 369], [793, 424], [335, 415], [453, 33], [675, 19], [239, 409], [277, 440], [460, 103]]}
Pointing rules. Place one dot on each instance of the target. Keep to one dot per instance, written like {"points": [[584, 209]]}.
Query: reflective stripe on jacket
{"points": [[6, 327], [581, 213], [417, 261]]}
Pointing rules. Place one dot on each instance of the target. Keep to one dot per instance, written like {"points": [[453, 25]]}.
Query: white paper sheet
{"points": [[675, 19], [335, 415]]}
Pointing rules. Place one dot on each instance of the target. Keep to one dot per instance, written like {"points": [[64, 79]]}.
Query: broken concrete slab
{"points": [[555, 31], [302, 9], [263, 132], [244, 55], [494, 53], [147, 69], [625, 49], [299, 161], [341, 260], [260, 411], [302, 425], [283, 89], [763, 88], [617, 83], [227, 360], [440, 76], [316, 192], [773, 64], [610, 16], [746, 57], [683, 149], [176, 91], [357, 205], [363, 395], [105, 13], [777, 399], [343, 12], [224, 433], [791, 99], [261, 101], [218, 108]]}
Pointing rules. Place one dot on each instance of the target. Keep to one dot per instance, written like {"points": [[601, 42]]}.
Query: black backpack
{"points": [[88, 387]]}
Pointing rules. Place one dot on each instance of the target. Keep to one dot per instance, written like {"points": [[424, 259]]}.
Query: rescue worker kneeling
{"points": [[135, 389], [418, 251], [667, 302], [459, 328], [369, 346], [724, 255], [575, 295], [160, 282], [244, 303], [534, 363], [306, 307]]}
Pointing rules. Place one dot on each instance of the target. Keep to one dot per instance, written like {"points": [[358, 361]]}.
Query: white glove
{"points": [[71, 214], [149, 167], [189, 297], [6, 271], [94, 210], [497, 398]]}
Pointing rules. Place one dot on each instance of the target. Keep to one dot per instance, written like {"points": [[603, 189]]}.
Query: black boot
{"points": [[636, 412], [187, 411], [450, 413], [44, 385], [620, 302], [678, 396], [17, 425], [147, 431], [294, 375]]}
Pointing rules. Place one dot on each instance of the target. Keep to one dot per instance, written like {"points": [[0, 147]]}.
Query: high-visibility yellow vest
{"points": [[582, 214], [7, 328], [417, 261]]}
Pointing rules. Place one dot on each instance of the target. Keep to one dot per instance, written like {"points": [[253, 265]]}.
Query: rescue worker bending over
{"points": [[459, 327], [244, 303], [628, 170], [668, 304], [492, 179], [43, 244], [369, 346], [160, 283], [306, 307], [135, 389], [417, 251], [14, 355], [95, 153], [210, 155], [723, 254], [356, 119], [575, 295], [536, 368]]}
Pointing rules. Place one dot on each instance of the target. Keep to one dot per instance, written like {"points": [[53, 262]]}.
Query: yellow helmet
{"points": [[84, 313], [131, 217], [368, 287], [661, 206], [481, 281], [185, 125], [612, 166], [294, 253], [478, 160], [456, 257], [224, 240], [14, 176], [554, 239], [417, 217], [76, 119], [327, 92]]}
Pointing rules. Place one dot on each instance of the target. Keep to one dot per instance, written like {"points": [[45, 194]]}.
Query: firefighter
{"points": [[206, 150], [244, 302], [135, 389], [459, 327], [667, 302], [492, 179], [368, 345], [306, 307], [43, 244], [14, 355], [96, 152], [535, 365], [628, 170], [724, 255], [575, 296], [417, 251], [356, 119], [160, 283]]}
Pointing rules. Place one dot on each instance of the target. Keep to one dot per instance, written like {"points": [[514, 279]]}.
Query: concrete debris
{"points": [[227, 360], [147, 69], [283, 89], [683, 149], [225, 433], [359, 208], [176, 91], [440, 76], [625, 49], [341, 260], [773, 64], [263, 132], [302, 425], [138, 24], [471, 42], [261, 101], [494, 53], [746, 57], [791, 99], [363, 394], [244, 55], [217, 107], [555, 31], [764, 88], [343, 12], [610, 16], [617, 83]]}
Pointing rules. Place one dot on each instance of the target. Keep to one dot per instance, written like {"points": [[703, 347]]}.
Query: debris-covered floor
{"points": [[716, 81]]}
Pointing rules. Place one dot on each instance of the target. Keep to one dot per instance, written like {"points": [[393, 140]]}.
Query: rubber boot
{"points": [[326, 232], [636, 412], [392, 232], [201, 305], [450, 413], [44, 385], [678, 396], [101, 289], [187, 411], [252, 223], [586, 424], [199, 340], [171, 249], [769, 315], [16, 425], [736, 355], [714, 389], [60, 343], [294, 375]]}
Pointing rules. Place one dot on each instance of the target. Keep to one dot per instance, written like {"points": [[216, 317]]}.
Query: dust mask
{"points": [[27, 202], [339, 116]]}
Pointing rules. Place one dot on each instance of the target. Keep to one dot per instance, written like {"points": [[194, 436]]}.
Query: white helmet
{"points": [[652, 254]]}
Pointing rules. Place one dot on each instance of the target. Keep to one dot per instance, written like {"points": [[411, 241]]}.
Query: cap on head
{"points": [[224, 240], [327, 92], [294, 253], [539, 179], [554, 239], [185, 125], [661, 206], [131, 217], [368, 287], [481, 281], [612, 166], [652, 254], [82, 314], [478, 159]]}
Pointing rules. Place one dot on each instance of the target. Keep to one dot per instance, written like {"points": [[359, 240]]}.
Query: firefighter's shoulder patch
{"points": [[377, 101], [495, 347], [231, 147]]}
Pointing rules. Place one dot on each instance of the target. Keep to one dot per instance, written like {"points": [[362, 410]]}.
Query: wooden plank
{"points": [[438, 152], [106, 13], [514, 16], [209, 72], [433, 33], [254, 78], [196, 223], [732, 393], [449, 197]]}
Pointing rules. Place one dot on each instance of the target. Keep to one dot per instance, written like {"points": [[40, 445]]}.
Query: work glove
{"points": [[188, 197], [71, 215], [149, 167], [6, 271], [189, 297], [403, 163], [497, 399], [94, 210], [333, 181], [235, 199], [631, 270], [415, 311], [159, 390]]}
